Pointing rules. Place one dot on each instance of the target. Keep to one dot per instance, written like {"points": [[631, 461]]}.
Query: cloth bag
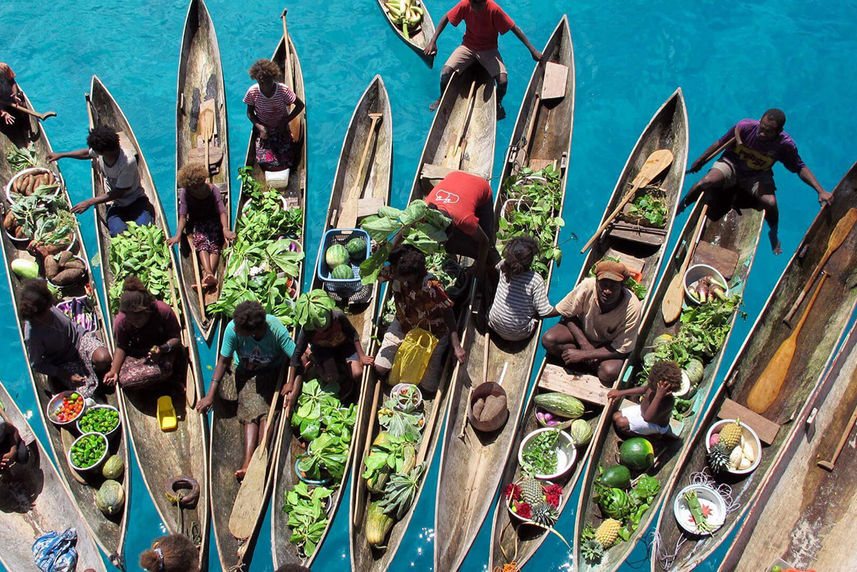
{"points": [[412, 357], [55, 552]]}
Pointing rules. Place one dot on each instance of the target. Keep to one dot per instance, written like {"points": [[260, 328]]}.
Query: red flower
{"points": [[553, 490], [523, 510], [513, 492], [552, 500]]}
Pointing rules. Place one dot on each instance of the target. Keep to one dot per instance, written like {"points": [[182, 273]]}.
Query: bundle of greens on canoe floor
{"points": [[141, 251], [533, 209], [648, 209], [20, 158], [326, 425], [264, 260]]}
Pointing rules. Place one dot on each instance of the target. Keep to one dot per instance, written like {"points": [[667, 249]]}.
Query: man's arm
{"points": [[537, 55], [431, 48], [578, 335], [809, 178], [81, 154]]}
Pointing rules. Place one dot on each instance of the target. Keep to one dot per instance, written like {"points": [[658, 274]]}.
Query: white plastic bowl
{"points": [[29, 171], [749, 434], [708, 497], [95, 468], [566, 453], [514, 514], [402, 386], [698, 271], [100, 406]]}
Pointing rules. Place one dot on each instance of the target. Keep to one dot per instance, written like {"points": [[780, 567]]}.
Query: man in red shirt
{"points": [[484, 21]]}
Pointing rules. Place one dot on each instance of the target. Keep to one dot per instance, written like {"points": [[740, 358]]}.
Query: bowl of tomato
{"points": [[66, 407]]}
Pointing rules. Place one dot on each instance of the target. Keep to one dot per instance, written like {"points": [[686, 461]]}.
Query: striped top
{"points": [[518, 305], [270, 110]]}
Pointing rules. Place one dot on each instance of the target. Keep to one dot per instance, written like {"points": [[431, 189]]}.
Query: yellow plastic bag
{"points": [[412, 357]]}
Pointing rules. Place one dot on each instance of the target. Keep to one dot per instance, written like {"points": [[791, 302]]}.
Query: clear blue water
{"points": [[733, 61]]}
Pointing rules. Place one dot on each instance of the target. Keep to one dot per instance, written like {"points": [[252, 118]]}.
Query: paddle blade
{"points": [[658, 162], [671, 306], [768, 386], [251, 496], [206, 119]]}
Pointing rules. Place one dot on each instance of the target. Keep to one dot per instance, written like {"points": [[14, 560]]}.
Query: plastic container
{"points": [[708, 497], [749, 435], [699, 271], [24, 173], [400, 387], [566, 453], [54, 405], [341, 236], [95, 467], [109, 434]]}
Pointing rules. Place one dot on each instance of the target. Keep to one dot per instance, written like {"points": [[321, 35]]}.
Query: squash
{"points": [[25, 268], [695, 370], [113, 468], [560, 404], [378, 524], [110, 498]]}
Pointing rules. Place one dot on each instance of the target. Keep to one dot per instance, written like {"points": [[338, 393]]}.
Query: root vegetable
{"points": [[478, 407], [75, 263], [64, 257], [52, 267], [494, 406], [735, 457], [69, 277]]}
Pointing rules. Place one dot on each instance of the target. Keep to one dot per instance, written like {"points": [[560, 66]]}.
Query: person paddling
{"points": [[484, 21], [747, 165]]}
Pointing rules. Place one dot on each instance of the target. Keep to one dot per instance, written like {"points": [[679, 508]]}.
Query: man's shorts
{"points": [[463, 57], [755, 185]]}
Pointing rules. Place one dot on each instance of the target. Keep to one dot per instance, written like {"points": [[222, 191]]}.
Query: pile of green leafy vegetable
{"points": [[539, 213], [648, 209], [540, 454], [630, 282], [264, 262], [141, 251], [307, 515], [43, 216], [20, 158]]}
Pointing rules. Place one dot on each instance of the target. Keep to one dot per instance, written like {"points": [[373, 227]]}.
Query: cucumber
{"points": [[560, 404]]}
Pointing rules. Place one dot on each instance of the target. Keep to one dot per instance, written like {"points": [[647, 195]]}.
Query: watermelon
{"points": [[113, 468], [581, 432], [637, 454], [617, 476], [110, 498], [342, 272], [356, 248], [336, 255]]}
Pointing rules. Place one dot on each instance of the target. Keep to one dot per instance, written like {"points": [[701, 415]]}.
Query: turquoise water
{"points": [[732, 61]]}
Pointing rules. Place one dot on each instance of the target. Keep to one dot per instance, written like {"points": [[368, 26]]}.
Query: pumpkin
{"points": [[694, 369], [581, 432], [110, 498], [113, 468]]}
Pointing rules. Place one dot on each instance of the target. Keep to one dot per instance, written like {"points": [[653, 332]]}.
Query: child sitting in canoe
{"points": [[521, 299], [201, 205], [331, 338], [652, 415], [147, 336], [12, 447]]}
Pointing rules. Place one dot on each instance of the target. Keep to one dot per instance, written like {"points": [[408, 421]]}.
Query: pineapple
{"points": [[531, 491], [607, 532], [592, 551], [718, 457], [544, 514], [730, 435]]}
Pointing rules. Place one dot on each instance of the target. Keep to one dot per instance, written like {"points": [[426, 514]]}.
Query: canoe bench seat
{"points": [[431, 172], [582, 386], [765, 428]]}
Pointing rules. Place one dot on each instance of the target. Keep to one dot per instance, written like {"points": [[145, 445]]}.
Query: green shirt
{"points": [[253, 354]]}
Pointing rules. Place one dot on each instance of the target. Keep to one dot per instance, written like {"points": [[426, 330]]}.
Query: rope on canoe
{"points": [[666, 560], [512, 560]]}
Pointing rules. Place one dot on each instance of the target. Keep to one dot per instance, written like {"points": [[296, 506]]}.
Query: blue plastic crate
{"points": [[341, 236]]}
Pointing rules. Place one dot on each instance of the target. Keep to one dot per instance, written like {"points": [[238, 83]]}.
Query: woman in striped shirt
{"points": [[521, 299], [270, 108]]}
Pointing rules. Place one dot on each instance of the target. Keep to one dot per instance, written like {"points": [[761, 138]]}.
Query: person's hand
{"points": [[571, 356], [287, 389], [173, 240], [7, 460], [8, 118], [366, 360], [81, 207], [537, 55], [431, 49], [76, 379], [695, 167], [111, 377], [460, 354], [825, 198], [663, 386], [613, 394], [204, 404], [228, 234]]}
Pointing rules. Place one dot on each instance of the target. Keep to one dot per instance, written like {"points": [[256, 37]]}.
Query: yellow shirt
{"points": [[618, 327]]}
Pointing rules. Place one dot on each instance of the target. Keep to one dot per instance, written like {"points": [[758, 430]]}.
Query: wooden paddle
{"points": [[206, 130], [348, 216], [361, 499], [248, 501], [828, 465], [288, 78], [717, 151], [769, 383], [28, 111], [671, 305], [458, 150], [837, 237], [658, 162]]}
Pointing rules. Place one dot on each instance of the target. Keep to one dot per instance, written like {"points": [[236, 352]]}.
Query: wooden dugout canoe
{"points": [[478, 158], [804, 513], [109, 533], [200, 79], [162, 456], [738, 233], [666, 130], [227, 434], [479, 458], [824, 328], [34, 500], [347, 186], [423, 35]]}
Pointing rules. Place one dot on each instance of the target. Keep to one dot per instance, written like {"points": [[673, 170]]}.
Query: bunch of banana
{"points": [[405, 13]]}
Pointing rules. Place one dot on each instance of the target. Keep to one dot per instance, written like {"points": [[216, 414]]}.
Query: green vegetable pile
{"points": [[43, 216], [400, 420], [538, 215], [648, 209], [99, 420], [540, 454], [630, 283], [87, 451], [265, 259], [627, 506], [307, 515], [143, 252], [20, 158]]}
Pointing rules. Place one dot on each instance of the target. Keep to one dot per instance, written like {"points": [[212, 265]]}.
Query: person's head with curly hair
{"points": [[408, 265], [103, 140], [668, 372], [34, 298], [250, 319], [192, 178], [136, 302], [171, 553], [518, 255], [265, 71]]}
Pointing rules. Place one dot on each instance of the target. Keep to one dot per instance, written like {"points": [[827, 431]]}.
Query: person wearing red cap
{"points": [[599, 324], [484, 20]]}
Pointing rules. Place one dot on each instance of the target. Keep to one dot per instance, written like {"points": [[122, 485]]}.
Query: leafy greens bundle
{"points": [[143, 252]]}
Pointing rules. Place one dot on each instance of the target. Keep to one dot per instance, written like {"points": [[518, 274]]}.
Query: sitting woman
{"points": [[12, 447], [147, 336], [261, 344], [332, 341], [57, 346], [652, 415], [10, 94], [521, 299], [270, 108], [171, 553], [200, 204]]}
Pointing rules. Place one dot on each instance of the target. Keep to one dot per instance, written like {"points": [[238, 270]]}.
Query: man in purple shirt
{"points": [[746, 164]]}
